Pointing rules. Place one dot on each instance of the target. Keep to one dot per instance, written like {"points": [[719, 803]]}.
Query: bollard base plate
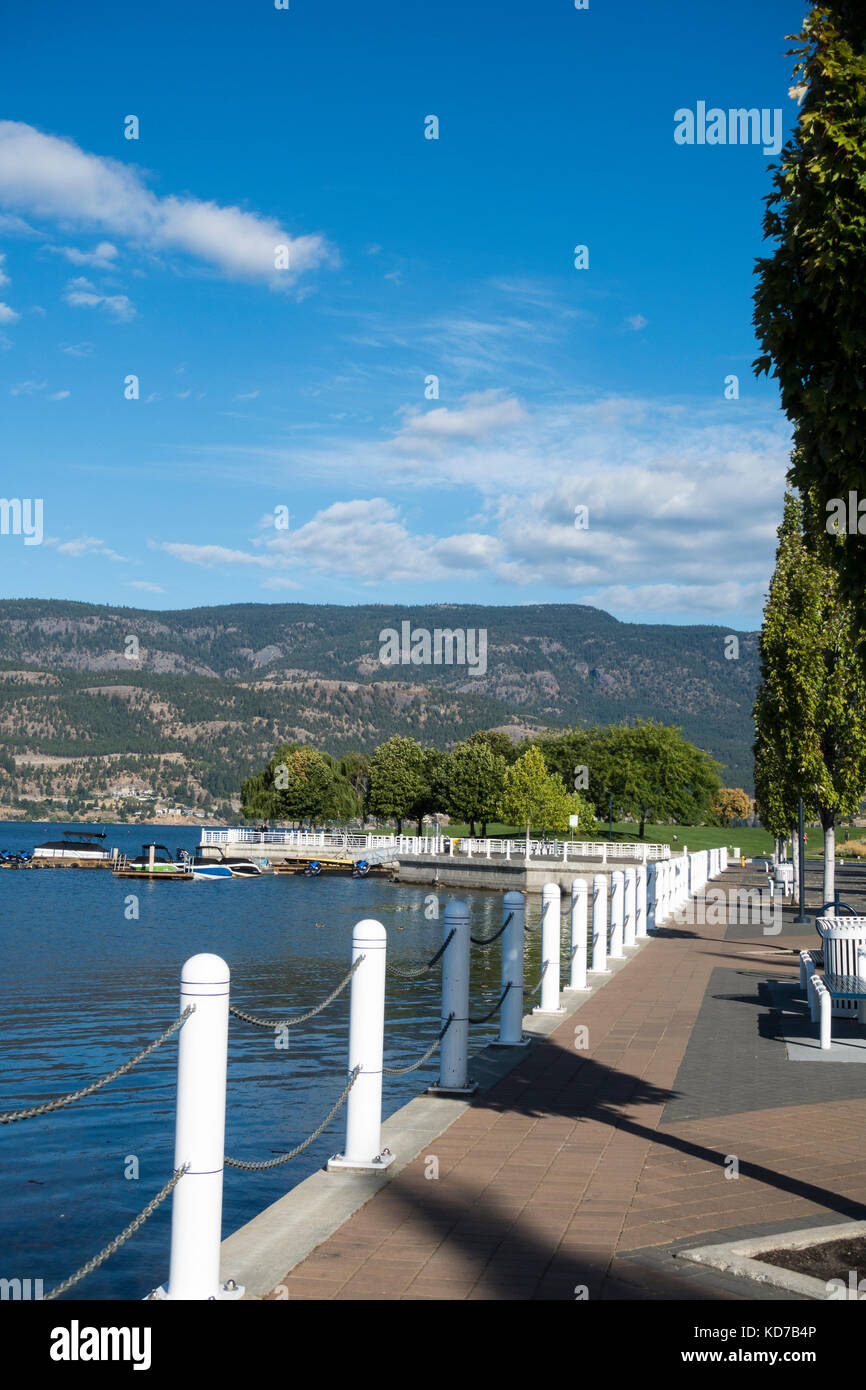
{"points": [[523, 1041], [468, 1090], [539, 1010], [224, 1295], [374, 1165], [577, 989]]}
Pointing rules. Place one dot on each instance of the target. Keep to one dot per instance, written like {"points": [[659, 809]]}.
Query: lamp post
{"points": [[610, 815], [801, 857]]}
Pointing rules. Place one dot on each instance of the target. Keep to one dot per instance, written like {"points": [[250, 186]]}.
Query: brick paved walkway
{"points": [[579, 1158]]}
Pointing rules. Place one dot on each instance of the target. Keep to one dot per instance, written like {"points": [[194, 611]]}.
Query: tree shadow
{"points": [[492, 1237]]}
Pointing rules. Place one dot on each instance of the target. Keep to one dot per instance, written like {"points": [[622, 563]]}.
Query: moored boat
{"points": [[76, 844]]}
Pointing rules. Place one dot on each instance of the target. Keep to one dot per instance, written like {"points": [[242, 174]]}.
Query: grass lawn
{"points": [[750, 841]]}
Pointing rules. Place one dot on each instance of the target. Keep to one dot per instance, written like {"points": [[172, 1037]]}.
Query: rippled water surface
{"points": [[83, 987]]}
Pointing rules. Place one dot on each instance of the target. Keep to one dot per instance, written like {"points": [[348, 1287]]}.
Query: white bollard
{"points": [[454, 1048], [550, 950], [196, 1211], [630, 899], [511, 1014], [599, 925], [652, 878], [363, 1146], [616, 907], [577, 972], [640, 902], [826, 1006]]}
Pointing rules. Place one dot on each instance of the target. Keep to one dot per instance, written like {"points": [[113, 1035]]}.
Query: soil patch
{"points": [[833, 1259]]}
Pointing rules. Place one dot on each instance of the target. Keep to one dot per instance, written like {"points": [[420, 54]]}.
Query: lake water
{"points": [[82, 988]]}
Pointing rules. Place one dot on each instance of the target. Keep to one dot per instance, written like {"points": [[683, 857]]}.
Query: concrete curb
{"points": [[736, 1257], [263, 1251]]}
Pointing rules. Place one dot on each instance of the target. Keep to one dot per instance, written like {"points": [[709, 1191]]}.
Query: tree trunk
{"points": [[828, 820], [420, 827], [472, 830], [399, 825], [484, 830], [642, 830], [527, 839]]}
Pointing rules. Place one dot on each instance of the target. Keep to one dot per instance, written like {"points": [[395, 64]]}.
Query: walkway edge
{"points": [[260, 1253]]}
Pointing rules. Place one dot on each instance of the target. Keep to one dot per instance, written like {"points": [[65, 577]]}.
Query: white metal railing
{"points": [[471, 847]]}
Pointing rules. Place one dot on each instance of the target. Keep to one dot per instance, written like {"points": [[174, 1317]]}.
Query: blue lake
{"points": [[83, 987]]}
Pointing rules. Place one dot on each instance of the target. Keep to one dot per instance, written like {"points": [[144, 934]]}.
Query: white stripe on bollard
{"points": [[630, 898], [616, 906], [550, 950], [363, 1147], [577, 971], [454, 1048], [599, 925], [511, 1014], [196, 1212]]}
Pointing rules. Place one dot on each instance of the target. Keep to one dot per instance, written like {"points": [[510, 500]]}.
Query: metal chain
{"points": [[496, 1006], [302, 1018], [533, 992], [293, 1153], [416, 974], [401, 1071], [58, 1103], [489, 940], [124, 1236]]}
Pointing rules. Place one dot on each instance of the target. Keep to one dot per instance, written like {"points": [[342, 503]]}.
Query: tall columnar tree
{"points": [[810, 710], [810, 302]]}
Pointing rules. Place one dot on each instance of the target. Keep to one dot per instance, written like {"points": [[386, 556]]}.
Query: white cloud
{"points": [[4, 278], [88, 545], [79, 349], [81, 294], [27, 388], [210, 555], [102, 257], [59, 395], [636, 322], [247, 396], [145, 584], [681, 495], [50, 177], [7, 315]]}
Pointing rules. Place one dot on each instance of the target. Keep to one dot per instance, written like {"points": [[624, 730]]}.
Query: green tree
{"points": [[652, 770], [398, 779], [496, 741], [810, 301], [810, 709], [475, 780], [533, 796]]}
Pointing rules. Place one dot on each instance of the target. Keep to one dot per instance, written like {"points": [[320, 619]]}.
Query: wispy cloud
{"points": [[7, 315], [102, 257], [81, 294], [145, 584], [88, 545]]}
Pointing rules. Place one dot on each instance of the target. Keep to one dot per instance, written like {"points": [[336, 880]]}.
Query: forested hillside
{"points": [[201, 697]]}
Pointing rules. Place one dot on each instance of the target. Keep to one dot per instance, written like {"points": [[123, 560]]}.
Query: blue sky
{"points": [[304, 389]]}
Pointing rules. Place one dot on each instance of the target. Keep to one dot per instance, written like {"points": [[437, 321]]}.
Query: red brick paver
{"points": [[553, 1177]]}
